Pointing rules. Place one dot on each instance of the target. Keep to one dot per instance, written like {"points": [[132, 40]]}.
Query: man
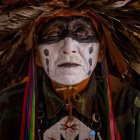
{"points": [[66, 100]]}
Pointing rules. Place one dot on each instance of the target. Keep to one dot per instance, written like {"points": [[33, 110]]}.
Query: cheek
{"points": [[86, 50], [46, 52], [48, 70], [43, 55], [90, 62], [90, 52], [89, 72], [47, 61], [49, 54], [94, 57]]}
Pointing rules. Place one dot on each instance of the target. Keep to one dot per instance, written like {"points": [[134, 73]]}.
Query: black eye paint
{"points": [[46, 52], [89, 72], [90, 50], [79, 28], [47, 62], [90, 61]]}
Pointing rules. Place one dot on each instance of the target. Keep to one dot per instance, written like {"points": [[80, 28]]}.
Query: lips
{"points": [[69, 64]]}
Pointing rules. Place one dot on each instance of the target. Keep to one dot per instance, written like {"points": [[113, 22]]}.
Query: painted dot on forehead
{"points": [[90, 50], [90, 61], [47, 62], [46, 52]]}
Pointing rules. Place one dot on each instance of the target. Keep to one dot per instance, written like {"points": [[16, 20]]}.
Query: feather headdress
{"points": [[118, 24]]}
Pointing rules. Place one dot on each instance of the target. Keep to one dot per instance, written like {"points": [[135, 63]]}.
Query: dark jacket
{"points": [[126, 106]]}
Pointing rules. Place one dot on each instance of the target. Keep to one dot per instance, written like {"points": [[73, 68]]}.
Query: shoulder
{"points": [[12, 92], [127, 98], [11, 99], [126, 107], [16, 88]]}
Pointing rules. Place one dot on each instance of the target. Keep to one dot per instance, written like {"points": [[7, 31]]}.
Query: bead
{"points": [[92, 133]]}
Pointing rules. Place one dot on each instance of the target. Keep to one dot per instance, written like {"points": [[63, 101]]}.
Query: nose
{"points": [[70, 46]]}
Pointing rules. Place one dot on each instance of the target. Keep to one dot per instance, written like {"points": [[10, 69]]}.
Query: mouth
{"points": [[69, 65]]}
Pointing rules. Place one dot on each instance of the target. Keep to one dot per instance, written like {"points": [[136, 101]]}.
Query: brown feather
{"points": [[29, 36], [116, 54], [11, 48]]}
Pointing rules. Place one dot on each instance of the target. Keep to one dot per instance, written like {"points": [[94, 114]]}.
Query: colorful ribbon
{"points": [[112, 130], [27, 131]]}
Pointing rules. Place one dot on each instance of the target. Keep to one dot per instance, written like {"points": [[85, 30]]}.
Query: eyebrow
{"points": [[53, 23], [82, 22], [62, 20]]}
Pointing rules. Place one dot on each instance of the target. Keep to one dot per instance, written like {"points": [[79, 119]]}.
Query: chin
{"points": [[69, 79]]}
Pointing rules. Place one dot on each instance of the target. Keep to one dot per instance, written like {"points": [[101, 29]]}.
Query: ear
{"points": [[102, 49]]}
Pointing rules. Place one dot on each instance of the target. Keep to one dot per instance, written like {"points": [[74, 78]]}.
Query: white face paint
{"points": [[68, 61]]}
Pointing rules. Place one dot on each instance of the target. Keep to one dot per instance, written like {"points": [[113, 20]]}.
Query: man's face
{"points": [[68, 48]]}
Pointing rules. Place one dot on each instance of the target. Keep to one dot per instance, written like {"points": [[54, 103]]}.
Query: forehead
{"points": [[67, 20]]}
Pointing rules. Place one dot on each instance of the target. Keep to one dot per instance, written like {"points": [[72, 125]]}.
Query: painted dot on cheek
{"points": [[47, 62], [90, 50], [46, 52], [89, 72], [90, 61], [48, 69]]}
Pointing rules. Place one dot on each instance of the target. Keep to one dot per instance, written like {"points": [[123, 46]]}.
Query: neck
{"points": [[62, 90]]}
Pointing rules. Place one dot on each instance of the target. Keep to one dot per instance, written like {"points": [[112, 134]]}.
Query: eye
{"points": [[81, 31], [52, 34]]}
